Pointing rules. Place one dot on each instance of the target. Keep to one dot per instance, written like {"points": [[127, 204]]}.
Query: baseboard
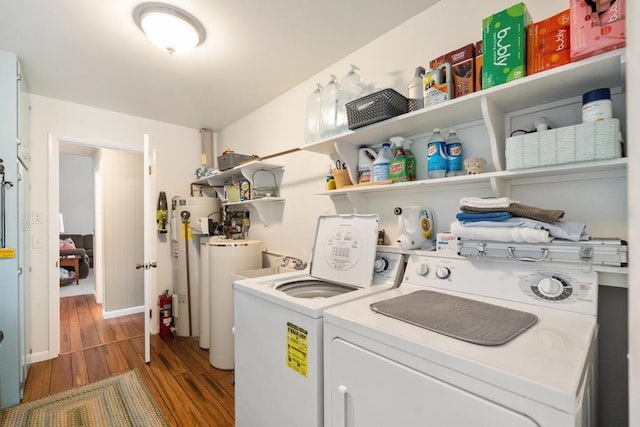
{"points": [[41, 356], [123, 312]]}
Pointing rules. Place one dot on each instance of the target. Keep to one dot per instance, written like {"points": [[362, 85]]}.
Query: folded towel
{"points": [[501, 234], [517, 209], [489, 202], [484, 217], [568, 230]]}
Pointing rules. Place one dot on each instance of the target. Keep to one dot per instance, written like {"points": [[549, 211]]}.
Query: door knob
{"points": [[139, 266]]}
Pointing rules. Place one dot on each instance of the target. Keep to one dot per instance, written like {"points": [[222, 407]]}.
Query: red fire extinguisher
{"points": [[165, 314]]}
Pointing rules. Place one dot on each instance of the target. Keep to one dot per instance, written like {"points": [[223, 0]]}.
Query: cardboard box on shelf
{"points": [[462, 62], [548, 43], [596, 27], [478, 66], [504, 44]]}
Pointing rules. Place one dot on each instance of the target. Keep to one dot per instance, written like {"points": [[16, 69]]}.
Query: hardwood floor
{"points": [[188, 389]]}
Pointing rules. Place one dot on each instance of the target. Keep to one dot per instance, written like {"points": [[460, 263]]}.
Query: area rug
{"points": [[122, 400]]}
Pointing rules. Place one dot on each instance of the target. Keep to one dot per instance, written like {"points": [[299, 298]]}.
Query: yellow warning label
{"points": [[186, 231], [297, 357], [7, 253]]}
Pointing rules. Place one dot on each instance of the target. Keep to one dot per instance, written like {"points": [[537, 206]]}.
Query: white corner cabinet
{"points": [[497, 110], [260, 175]]}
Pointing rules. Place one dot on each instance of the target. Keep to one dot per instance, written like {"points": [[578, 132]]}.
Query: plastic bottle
{"points": [[437, 155], [454, 154], [596, 105], [312, 122], [328, 107], [415, 89], [331, 183], [351, 88], [381, 164], [410, 158], [398, 168]]}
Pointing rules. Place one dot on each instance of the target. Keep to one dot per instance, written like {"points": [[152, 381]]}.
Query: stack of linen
{"points": [[505, 220]]}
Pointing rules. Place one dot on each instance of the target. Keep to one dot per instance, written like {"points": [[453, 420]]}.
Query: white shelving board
{"points": [[490, 106], [264, 206]]}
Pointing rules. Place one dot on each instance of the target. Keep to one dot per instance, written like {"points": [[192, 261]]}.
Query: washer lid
{"points": [[344, 249]]}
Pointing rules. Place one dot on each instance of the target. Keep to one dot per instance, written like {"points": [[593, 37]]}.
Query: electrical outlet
{"points": [[36, 217], [36, 241]]}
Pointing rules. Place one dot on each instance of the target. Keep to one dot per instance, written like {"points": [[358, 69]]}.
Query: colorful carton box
{"points": [[548, 43], [478, 65], [597, 26], [463, 69], [504, 43]]}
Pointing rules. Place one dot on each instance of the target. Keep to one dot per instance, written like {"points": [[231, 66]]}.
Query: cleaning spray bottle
{"points": [[410, 158], [398, 168]]}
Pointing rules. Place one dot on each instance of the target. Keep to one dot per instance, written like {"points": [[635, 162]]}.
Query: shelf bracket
{"points": [[500, 187], [348, 153], [494, 119]]}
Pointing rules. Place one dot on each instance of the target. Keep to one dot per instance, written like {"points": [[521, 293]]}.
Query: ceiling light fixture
{"points": [[171, 29]]}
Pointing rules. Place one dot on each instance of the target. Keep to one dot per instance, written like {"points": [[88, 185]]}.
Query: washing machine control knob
{"points": [[381, 264], [550, 287], [442, 272], [422, 269]]}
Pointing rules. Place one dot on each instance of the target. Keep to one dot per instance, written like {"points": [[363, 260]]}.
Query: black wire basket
{"points": [[373, 108]]}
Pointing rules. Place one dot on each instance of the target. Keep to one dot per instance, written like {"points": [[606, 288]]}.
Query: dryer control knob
{"points": [[550, 287], [422, 269], [381, 264], [442, 272]]}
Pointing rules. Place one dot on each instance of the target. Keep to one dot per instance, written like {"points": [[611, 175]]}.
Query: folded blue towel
{"points": [[489, 216]]}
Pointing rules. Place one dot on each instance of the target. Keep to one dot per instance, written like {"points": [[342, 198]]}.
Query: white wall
{"points": [[389, 61], [178, 157], [77, 193]]}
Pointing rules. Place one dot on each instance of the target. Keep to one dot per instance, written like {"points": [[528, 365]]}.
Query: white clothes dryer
{"points": [[278, 321], [381, 370]]}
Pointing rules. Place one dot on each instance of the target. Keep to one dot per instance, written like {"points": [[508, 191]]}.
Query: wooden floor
{"points": [[187, 388]]}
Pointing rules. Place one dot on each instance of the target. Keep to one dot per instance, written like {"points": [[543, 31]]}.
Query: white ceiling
{"points": [[91, 52]]}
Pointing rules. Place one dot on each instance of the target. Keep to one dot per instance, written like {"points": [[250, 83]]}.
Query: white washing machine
{"points": [[382, 371], [278, 321]]}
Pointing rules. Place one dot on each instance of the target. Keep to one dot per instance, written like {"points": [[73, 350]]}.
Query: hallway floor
{"points": [[187, 388]]}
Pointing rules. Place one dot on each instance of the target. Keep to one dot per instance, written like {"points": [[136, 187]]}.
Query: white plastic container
{"points": [[312, 122], [415, 90], [596, 105], [381, 164]]}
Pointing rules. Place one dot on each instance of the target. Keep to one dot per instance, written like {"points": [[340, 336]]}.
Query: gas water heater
{"points": [[187, 228]]}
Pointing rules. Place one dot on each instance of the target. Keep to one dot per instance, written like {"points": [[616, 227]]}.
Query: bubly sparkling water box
{"points": [[504, 44]]}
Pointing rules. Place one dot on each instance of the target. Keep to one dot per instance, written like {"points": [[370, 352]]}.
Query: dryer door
{"points": [[367, 389]]}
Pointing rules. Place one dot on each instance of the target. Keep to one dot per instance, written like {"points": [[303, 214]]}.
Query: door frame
{"points": [[53, 203]]}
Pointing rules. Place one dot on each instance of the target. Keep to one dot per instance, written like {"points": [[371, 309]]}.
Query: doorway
{"points": [[117, 203]]}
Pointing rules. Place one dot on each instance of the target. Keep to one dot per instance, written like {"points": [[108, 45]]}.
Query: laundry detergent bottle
{"points": [[351, 87], [328, 108], [381, 164], [312, 122], [416, 228]]}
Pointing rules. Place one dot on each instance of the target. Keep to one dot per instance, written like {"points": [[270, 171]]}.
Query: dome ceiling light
{"points": [[171, 29]]}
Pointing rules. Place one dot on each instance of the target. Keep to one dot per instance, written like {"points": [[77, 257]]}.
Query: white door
{"points": [[150, 248]]}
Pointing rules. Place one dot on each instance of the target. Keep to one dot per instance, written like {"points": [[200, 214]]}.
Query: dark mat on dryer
{"points": [[465, 319]]}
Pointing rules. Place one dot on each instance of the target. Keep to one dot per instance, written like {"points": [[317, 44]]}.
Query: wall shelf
{"points": [[266, 207], [489, 106]]}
